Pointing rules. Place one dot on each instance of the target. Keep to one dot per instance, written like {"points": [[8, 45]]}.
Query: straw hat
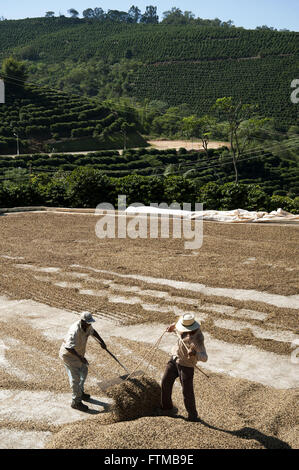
{"points": [[187, 323]]}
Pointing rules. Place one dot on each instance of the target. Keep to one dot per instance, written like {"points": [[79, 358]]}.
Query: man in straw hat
{"points": [[72, 353], [189, 349]]}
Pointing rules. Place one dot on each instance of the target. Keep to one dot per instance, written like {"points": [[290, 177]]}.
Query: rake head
{"points": [[118, 380]]}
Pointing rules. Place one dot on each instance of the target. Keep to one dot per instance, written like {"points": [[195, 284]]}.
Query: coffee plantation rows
{"points": [[265, 82], [41, 116], [63, 40], [191, 63], [274, 175], [15, 33]]}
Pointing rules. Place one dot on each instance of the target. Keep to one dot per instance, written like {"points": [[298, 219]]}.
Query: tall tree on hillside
{"points": [[13, 73], [134, 14], [150, 15], [235, 115], [49, 14], [176, 16], [74, 13], [99, 13], [200, 128], [117, 16], [189, 126], [88, 13], [264, 27], [189, 16]]}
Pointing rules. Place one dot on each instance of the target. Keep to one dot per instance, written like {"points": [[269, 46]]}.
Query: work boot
{"points": [[168, 412], [78, 405], [85, 396], [193, 418]]}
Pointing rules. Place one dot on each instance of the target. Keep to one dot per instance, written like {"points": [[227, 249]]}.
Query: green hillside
{"points": [[177, 64], [49, 120]]}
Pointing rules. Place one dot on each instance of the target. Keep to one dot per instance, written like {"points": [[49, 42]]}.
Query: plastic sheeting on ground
{"points": [[235, 216]]}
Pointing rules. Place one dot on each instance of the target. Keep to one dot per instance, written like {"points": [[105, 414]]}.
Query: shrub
{"points": [[257, 199], [82, 132], [282, 202], [233, 196], [210, 196], [88, 187], [37, 131], [179, 189], [19, 194]]}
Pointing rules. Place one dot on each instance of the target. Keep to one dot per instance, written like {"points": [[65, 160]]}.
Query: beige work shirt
{"points": [[197, 341], [76, 338]]}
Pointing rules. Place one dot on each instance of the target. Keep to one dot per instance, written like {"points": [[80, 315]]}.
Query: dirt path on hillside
{"points": [[158, 144], [187, 144]]}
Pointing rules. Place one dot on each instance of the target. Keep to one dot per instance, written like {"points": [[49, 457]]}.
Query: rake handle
{"points": [[115, 358], [112, 355]]}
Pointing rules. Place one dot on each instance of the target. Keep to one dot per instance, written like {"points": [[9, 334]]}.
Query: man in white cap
{"points": [[72, 353], [189, 349]]}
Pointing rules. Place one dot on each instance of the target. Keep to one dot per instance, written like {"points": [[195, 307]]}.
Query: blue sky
{"points": [[278, 13]]}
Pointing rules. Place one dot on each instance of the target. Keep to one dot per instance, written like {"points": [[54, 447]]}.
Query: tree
{"points": [[170, 15], [117, 16], [189, 16], [255, 128], [265, 28], [74, 13], [169, 123], [205, 125], [228, 23], [99, 13], [235, 114], [49, 14], [88, 13], [134, 14], [189, 126], [200, 128], [176, 16], [150, 15], [13, 73]]}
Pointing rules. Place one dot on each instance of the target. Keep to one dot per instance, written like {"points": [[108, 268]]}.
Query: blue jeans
{"points": [[77, 377]]}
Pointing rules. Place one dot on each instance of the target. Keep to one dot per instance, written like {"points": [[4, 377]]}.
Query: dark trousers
{"points": [[172, 371]]}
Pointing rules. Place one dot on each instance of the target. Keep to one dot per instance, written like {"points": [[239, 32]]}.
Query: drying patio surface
{"points": [[242, 285]]}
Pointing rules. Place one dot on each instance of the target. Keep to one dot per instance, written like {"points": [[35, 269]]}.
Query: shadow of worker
{"points": [[106, 407], [269, 442]]}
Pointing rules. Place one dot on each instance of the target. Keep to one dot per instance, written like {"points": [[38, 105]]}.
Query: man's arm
{"points": [[198, 349], [97, 336], [73, 351], [202, 355]]}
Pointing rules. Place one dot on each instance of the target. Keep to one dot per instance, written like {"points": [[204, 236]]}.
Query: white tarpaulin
{"points": [[235, 216]]}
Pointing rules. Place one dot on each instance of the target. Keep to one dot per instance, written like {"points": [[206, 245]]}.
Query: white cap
{"points": [[187, 323], [87, 317]]}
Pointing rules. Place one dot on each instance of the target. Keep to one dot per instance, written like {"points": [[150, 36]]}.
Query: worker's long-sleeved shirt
{"points": [[196, 342], [76, 338]]}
